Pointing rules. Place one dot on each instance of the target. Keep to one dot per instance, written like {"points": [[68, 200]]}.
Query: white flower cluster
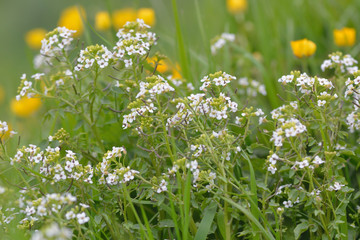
{"points": [[353, 121], [194, 168], [272, 159], [272, 163], [197, 150], [284, 111], [217, 108], [95, 55], [352, 87], [24, 88], [290, 204], [346, 63], [251, 87], [217, 79], [289, 128], [324, 97], [162, 186], [52, 166], [3, 128], [118, 175], [52, 231], [336, 187], [139, 111], [47, 205], [158, 87], [155, 85], [7, 215], [220, 41], [134, 40], [56, 41], [305, 82]]}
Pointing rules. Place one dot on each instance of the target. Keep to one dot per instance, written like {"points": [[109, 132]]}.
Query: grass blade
{"points": [[205, 224]]}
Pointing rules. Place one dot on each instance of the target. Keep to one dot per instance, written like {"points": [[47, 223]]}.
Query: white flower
{"points": [[70, 215], [272, 169], [82, 218], [37, 76], [318, 160], [337, 186], [321, 103], [288, 204]]}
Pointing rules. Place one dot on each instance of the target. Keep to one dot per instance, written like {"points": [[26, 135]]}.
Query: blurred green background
{"points": [[263, 32]]}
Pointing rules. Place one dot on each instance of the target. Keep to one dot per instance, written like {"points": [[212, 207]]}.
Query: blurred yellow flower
{"points": [[162, 65], [236, 6], [175, 72], [72, 18], [344, 37], [148, 15], [102, 21], [25, 106], [122, 16], [33, 37], [2, 95], [303, 48]]}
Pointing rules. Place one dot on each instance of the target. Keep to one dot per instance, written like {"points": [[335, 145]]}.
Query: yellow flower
{"points": [[236, 6], [71, 18], [25, 106], [344, 37], [162, 65], [102, 21], [120, 17], [303, 48], [33, 37], [148, 15], [175, 72], [2, 94]]}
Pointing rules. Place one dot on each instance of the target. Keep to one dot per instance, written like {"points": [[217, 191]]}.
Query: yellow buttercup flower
{"points": [[122, 16], [25, 106], [72, 18], [33, 37], [344, 37], [175, 72], [236, 6], [162, 66], [303, 48], [148, 15], [102, 21]]}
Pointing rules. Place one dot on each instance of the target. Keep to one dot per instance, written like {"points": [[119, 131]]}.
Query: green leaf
{"points": [[220, 223], [205, 224], [166, 223], [300, 228]]}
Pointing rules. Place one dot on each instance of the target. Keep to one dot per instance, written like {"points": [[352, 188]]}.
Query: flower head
{"points": [[148, 15], [344, 37], [102, 21], [303, 48], [33, 37], [236, 6], [72, 18], [25, 106], [122, 16]]}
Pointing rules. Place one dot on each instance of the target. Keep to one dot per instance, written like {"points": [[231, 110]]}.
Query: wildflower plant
{"points": [[137, 154]]}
